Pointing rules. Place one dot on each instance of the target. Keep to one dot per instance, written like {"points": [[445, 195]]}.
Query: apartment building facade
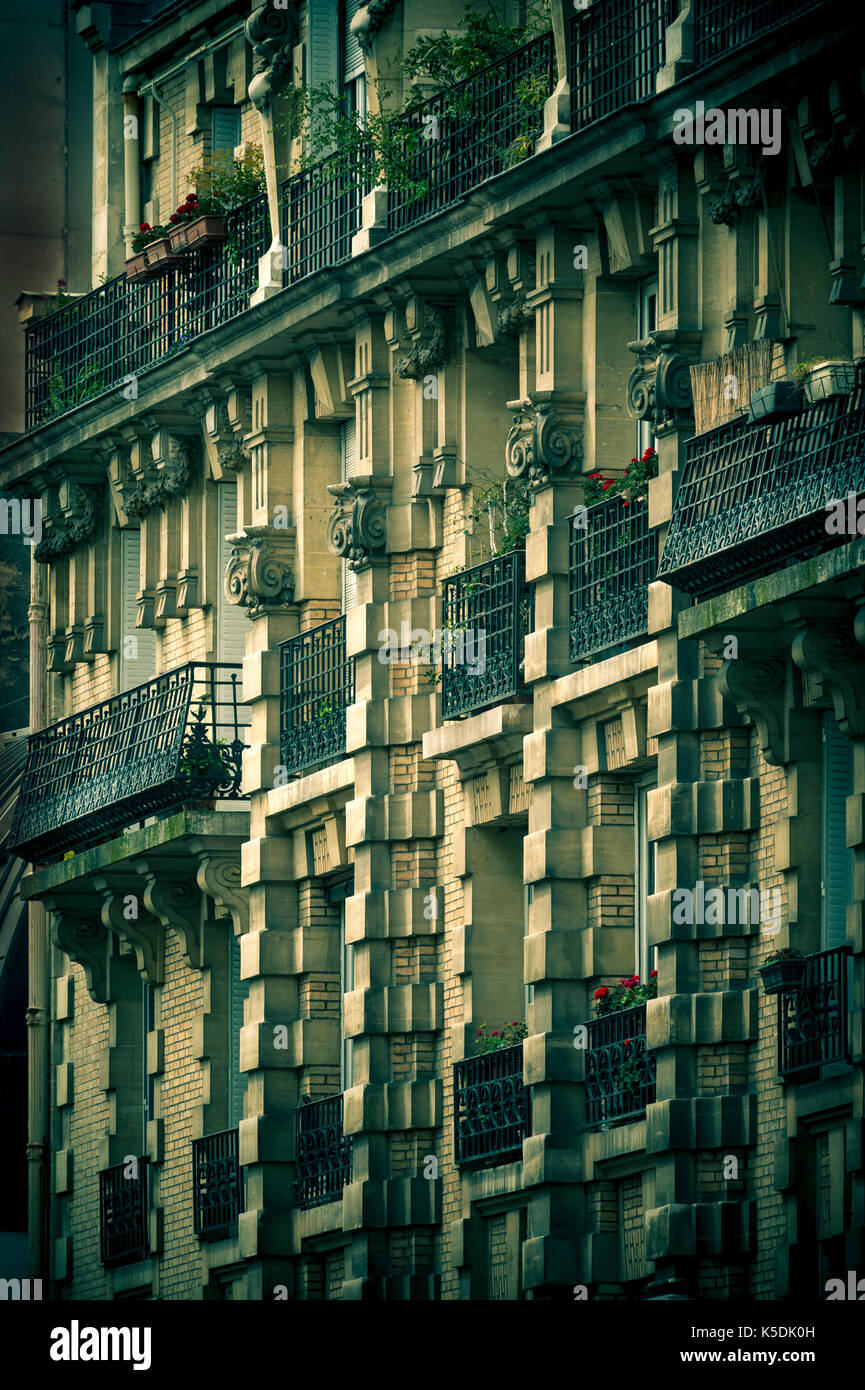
{"points": [[449, 636]]}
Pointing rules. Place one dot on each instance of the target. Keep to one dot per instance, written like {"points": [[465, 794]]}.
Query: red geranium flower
{"points": [[608, 483], [495, 1035], [634, 460], [626, 504], [594, 475], [627, 1042], [145, 227], [602, 992], [653, 974]]}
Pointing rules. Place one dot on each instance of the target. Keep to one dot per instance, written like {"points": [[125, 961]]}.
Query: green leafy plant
{"points": [[455, 54], [203, 759], [787, 953], [63, 393], [146, 235], [626, 994], [802, 369], [631, 1075], [507, 1036], [631, 486], [499, 516], [223, 183]]}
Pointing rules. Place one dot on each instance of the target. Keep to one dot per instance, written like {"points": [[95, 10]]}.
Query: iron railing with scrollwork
{"points": [[460, 137], [491, 1105], [613, 558], [620, 1072], [753, 498], [323, 1153], [316, 686], [123, 1208], [216, 1184], [615, 51], [105, 338], [812, 1017], [175, 739], [487, 612], [720, 26]]}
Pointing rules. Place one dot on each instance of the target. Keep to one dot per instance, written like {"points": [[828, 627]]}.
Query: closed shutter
{"points": [[238, 991], [323, 43], [137, 645], [352, 53], [837, 886], [232, 622], [348, 462], [225, 129]]}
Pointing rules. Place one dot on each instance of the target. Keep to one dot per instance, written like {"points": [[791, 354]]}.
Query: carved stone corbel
{"points": [[369, 19], [356, 528], [175, 899], [75, 523], [431, 329], [84, 939], [230, 453], [141, 929], [756, 683], [219, 876], [659, 387], [259, 575], [272, 32], [173, 457], [543, 443], [832, 658]]}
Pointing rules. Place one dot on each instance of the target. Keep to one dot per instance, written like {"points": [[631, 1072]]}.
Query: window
{"points": [[836, 889], [336, 895], [232, 620], [238, 991], [348, 469], [528, 894], [225, 130], [148, 1010], [647, 322], [645, 867], [137, 646], [351, 62]]}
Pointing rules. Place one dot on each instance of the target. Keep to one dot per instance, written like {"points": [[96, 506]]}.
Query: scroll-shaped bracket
{"points": [[219, 876], [176, 900], [123, 912], [356, 528], [756, 683], [831, 656], [543, 443], [84, 939]]}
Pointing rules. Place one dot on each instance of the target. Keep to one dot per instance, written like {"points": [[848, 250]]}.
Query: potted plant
{"points": [[625, 994], [774, 402], [781, 971], [507, 1036], [151, 253], [823, 379], [196, 223]]}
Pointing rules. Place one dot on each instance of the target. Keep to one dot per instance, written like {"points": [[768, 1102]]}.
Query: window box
{"points": [[203, 231], [159, 255], [827, 379], [138, 269], [781, 976], [774, 402]]}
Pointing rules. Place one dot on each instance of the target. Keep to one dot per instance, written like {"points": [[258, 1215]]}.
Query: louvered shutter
{"points": [[137, 657], [837, 884], [225, 128], [348, 461], [323, 43], [238, 991], [231, 618], [352, 53]]}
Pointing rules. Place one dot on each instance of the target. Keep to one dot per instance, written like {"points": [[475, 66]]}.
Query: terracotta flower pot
{"points": [[137, 268], [159, 255], [189, 236]]}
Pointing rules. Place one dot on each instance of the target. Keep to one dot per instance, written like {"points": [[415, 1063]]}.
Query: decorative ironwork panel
{"points": [[320, 211], [121, 329], [487, 612], [812, 1018], [123, 1207], [612, 561], [720, 26], [316, 686], [172, 740], [615, 50], [323, 1154], [491, 1105], [216, 1185], [471, 132], [620, 1072], [753, 497]]}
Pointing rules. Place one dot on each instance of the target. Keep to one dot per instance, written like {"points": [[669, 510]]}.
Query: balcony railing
{"points": [[320, 211], [316, 686], [753, 497], [105, 338], [471, 132], [323, 1156], [720, 26], [615, 50], [176, 739], [620, 1072], [812, 1019], [612, 561], [491, 1106], [123, 1210], [487, 612], [216, 1188]]}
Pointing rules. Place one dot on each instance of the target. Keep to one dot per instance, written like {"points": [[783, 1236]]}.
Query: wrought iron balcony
{"points": [[216, 1188], [487, 612], [471, 132], [812, 1018], [620, 1072], [615, 50], [491, 1106], [323, 1155], [753, 497], [720, 26], [612, 561], [103, 339], [176, 739], [320, 211], [123, 1207], [316, 686]]}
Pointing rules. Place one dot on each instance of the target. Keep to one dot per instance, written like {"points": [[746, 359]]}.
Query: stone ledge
{"points": [[483, 740]]}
